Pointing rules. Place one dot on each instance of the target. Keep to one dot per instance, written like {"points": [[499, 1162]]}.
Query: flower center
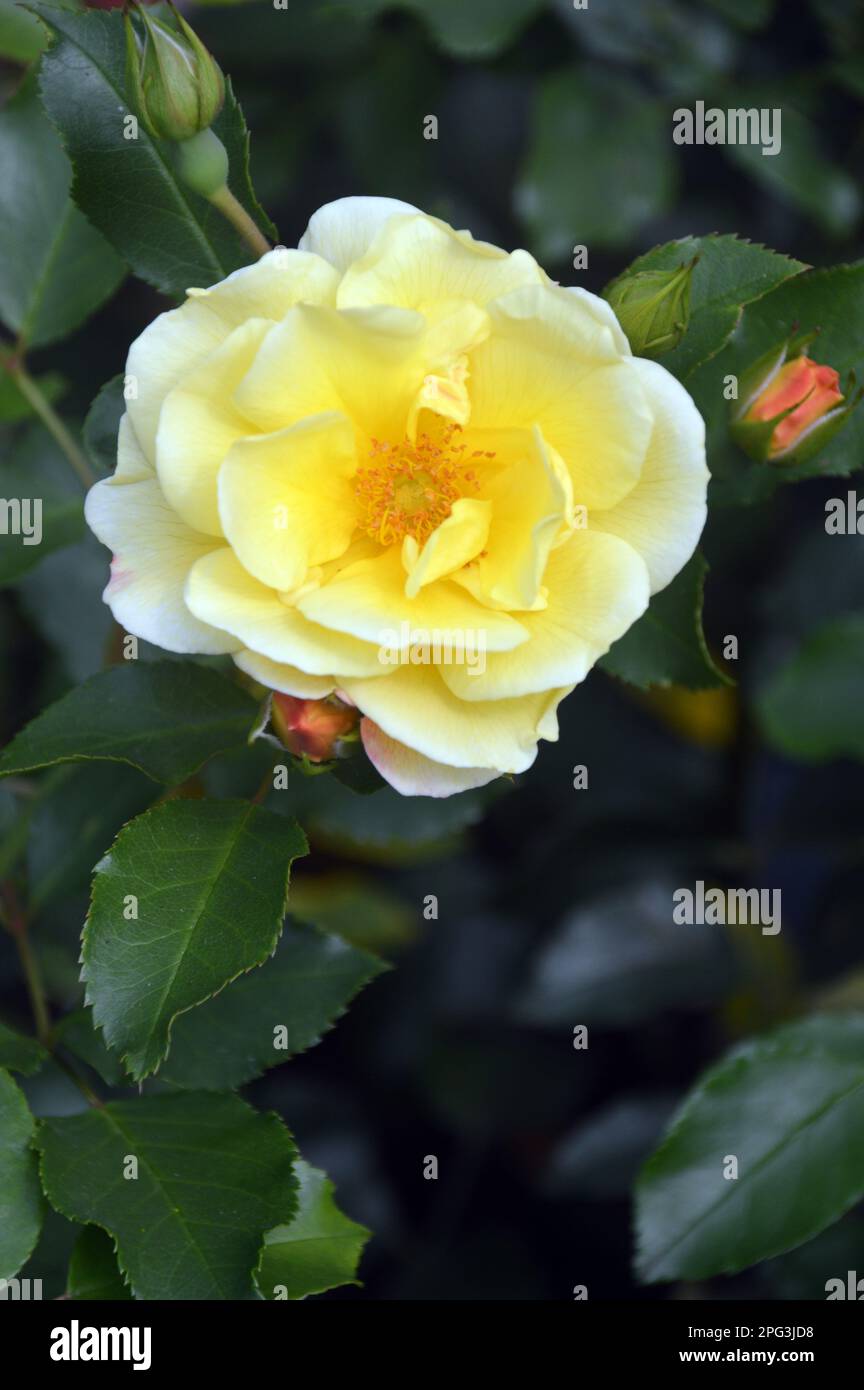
{"points": [[410, 488]]}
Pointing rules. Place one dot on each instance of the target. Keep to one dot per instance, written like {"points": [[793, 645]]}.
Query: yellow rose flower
{"points": [[404, 466]]}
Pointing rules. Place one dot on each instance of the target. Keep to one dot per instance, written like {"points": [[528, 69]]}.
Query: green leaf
{"points": [[20, 1053], [71, 826], [207, 882], [213, 1176], [728, 274], [55, 269], [20, 1201], [667, 645], [164, 717], [624, 174], [319, 1250], [129, 188], [78, 1033], [50, 503], [93, 1273], [790, 1108], [304, 989], [102, 424], [811, 708]]}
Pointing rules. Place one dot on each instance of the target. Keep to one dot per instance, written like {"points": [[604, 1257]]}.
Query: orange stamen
{"points": [[412, 487]]}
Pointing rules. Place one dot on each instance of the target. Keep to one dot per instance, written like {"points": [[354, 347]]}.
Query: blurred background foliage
{"points": [[554, 129]]}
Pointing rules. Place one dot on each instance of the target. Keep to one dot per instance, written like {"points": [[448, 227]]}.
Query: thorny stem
{"points": [[14, 365], [239, 218]]}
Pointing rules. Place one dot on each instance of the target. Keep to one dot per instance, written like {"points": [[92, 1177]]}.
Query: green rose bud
{"points": [[178, 87], [652, 307]]}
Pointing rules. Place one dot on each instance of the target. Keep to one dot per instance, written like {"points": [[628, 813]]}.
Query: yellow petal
{"points": [[270, 287], [286, 500], [153, 552], [550, 362], [368, 600], [460, 537], [454, 329], [603, 314], [132, 464], [199, 423], [597, 588], [446, 394], [220, 590], [342, 231], [662, 518], [530, 492], [367, 363], [286, 679], [414, 707], [416, 261], [177, 340], [410, 774]]}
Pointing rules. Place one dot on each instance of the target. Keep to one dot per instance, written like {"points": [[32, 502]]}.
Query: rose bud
{"points": [[178, 86], [652, 307], [314, 729], [791, 406], [801, 393]]}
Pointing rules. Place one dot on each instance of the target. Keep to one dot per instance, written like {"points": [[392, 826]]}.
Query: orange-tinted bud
{"points": [[804, 388], [312, 728]]}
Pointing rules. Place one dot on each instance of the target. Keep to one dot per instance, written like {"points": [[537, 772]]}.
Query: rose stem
{"points": [[239, 218], [47, 414]]}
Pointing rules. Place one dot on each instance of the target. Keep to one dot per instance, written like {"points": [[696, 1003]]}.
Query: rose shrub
{"points": [[398, 428]]}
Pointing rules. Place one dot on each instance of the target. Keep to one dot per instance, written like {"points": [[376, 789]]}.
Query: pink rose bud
{"points": [[806, 390], [313, 728]]}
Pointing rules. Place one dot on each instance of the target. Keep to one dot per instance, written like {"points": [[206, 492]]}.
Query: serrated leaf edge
{"points": [[91, 1003], [383, 967], [267, 1114]]}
